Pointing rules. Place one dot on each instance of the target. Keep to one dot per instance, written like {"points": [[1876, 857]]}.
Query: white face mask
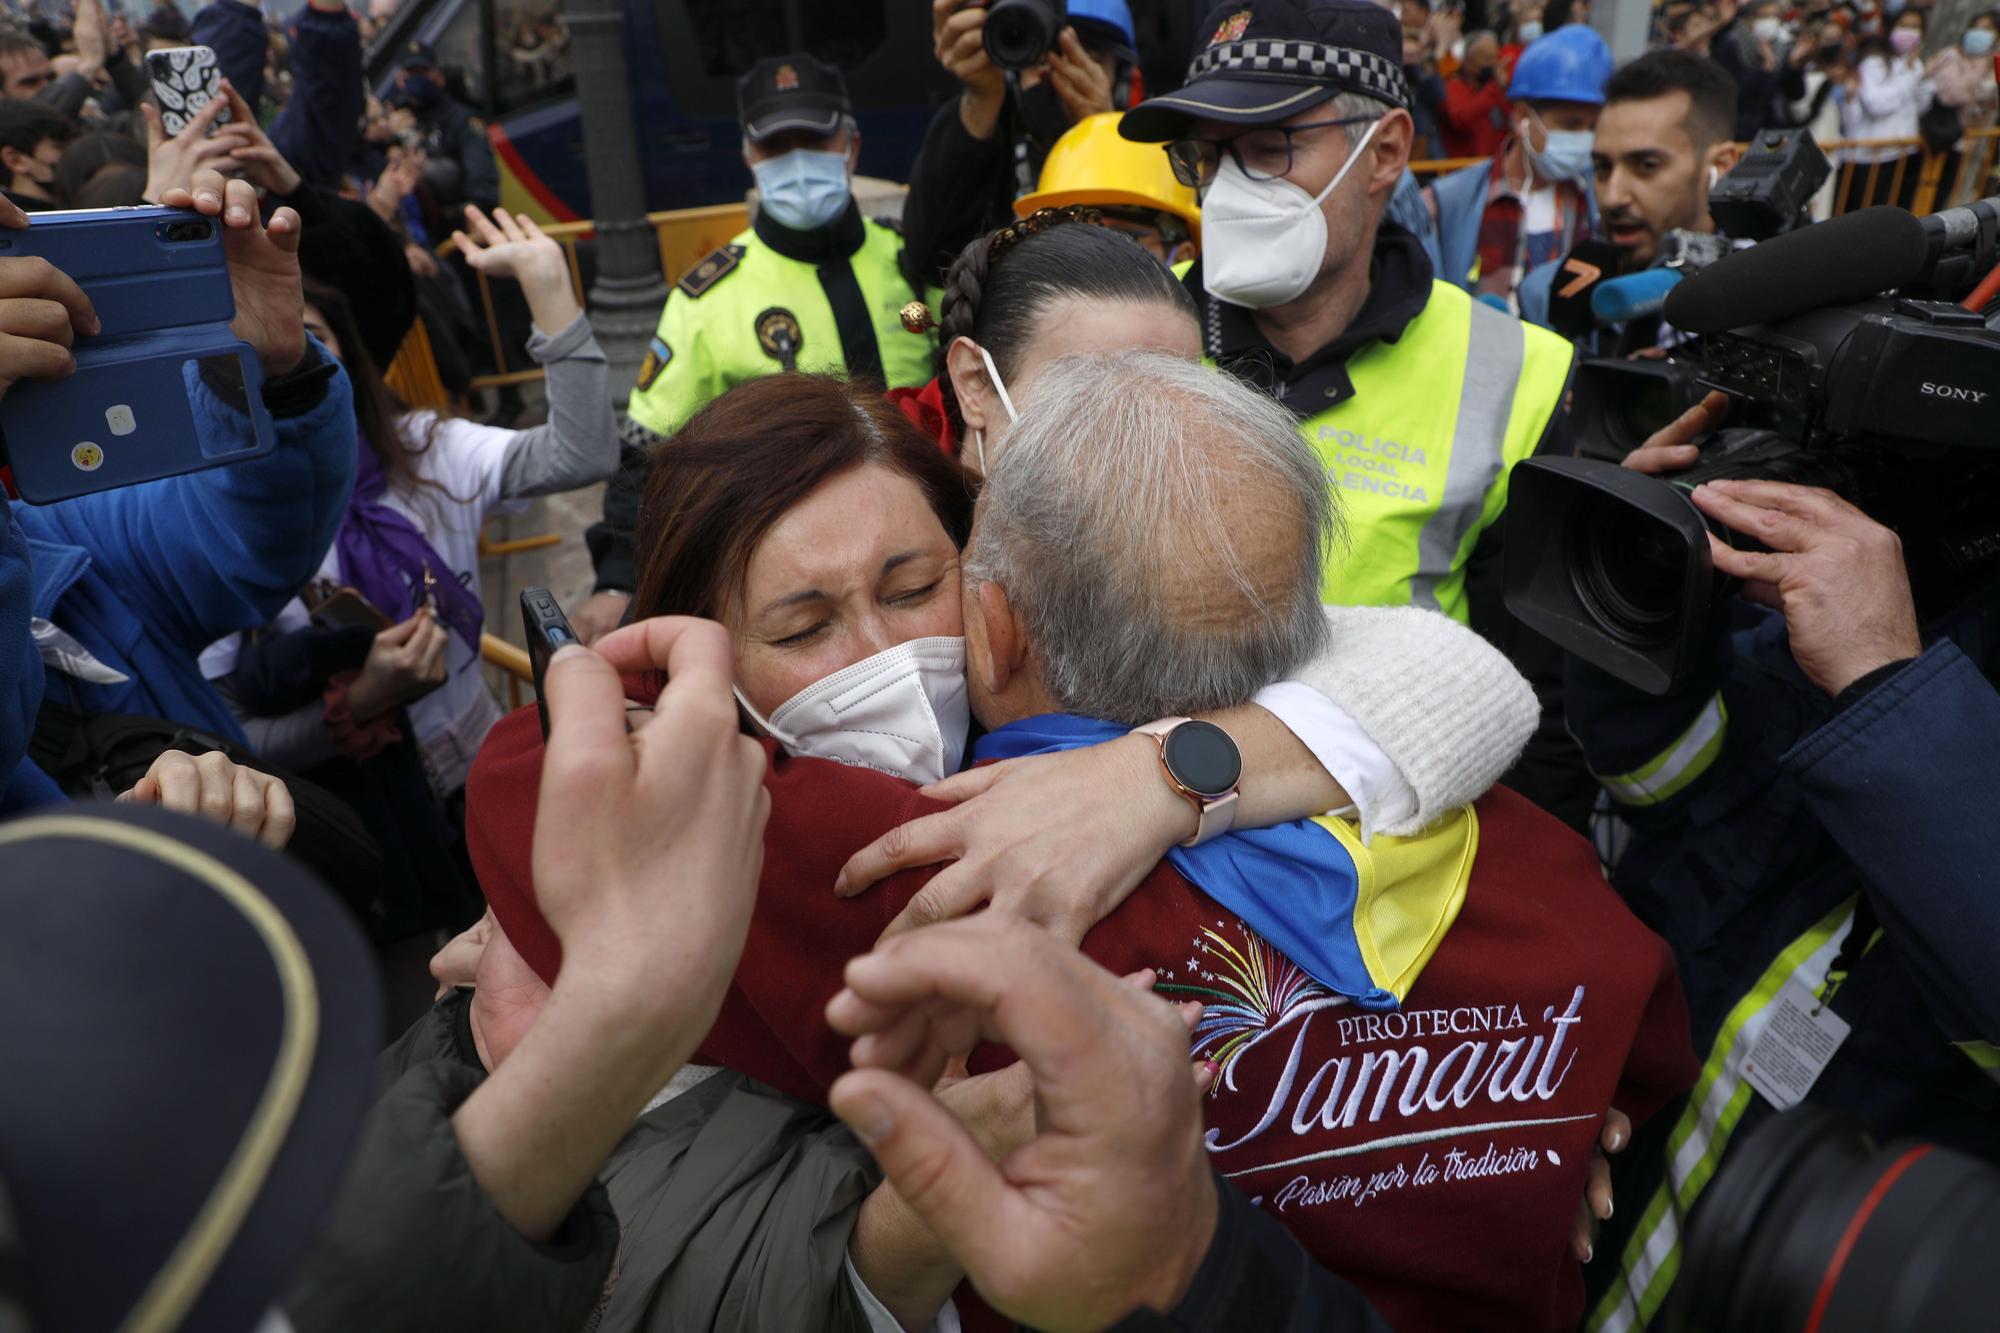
{"points": [[999, 387], [904, 712], [1263, 242], [1769, 29]]}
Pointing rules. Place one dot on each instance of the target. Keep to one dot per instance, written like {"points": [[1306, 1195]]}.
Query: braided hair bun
{"points": [[1003, 282]]}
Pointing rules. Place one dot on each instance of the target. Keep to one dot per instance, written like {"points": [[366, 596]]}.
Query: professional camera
{"points": [[1020, 32], [1810, 1226], [1891, 401]]}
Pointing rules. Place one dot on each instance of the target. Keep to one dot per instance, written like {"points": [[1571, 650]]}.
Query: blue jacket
{"points": [[20, 661], [320, 126], [235, 31], [1766, 820], [1461, 205], [148, 576]]}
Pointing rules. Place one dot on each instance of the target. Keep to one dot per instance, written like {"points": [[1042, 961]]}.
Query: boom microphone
{"points": [[1848, 258]]}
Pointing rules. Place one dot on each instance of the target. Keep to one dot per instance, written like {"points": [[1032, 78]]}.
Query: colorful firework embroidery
{"points": [[1248, 994]]}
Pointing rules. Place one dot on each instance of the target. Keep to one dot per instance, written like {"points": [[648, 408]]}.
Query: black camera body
{"points": [[1020, 32], [1892, 403]]}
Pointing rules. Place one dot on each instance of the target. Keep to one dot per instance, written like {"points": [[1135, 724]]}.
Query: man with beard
{"points": [[1663, 141]]}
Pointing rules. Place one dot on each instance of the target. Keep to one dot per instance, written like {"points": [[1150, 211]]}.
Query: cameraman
{"points": [[1811, 821], [985, 147]]}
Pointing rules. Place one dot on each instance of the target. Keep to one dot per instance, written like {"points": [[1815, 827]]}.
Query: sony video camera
{"points": [[1892, 401]]}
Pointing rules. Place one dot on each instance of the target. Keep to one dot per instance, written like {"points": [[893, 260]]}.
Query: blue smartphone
{"points": [[159, 281]]}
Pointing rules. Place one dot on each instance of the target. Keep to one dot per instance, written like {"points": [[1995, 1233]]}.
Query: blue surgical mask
{"points": [[1567, 157], [1530, 32], [1978, 41], [803, 189]]}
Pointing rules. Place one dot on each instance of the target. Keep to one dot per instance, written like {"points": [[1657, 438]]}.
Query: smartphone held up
{"points": [[185, 79], [159, 281]]}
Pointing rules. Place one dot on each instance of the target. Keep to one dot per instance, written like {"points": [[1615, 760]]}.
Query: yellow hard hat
{"points": [[1094, 165]]}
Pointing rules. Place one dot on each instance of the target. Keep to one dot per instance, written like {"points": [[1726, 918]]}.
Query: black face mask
{"points": [[1043, 116], [421, 92]]}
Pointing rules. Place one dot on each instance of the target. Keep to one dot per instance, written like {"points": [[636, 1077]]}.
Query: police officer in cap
{"points": [[450, 132], [1294, 122], [813, 285]]}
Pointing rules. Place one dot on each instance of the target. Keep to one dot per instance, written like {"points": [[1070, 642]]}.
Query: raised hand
{"points": [[512, 246], [1081, 83], [263, 265], [263, 165], [173, 159], [1111, 1208], [958, 40], [515, 247]]}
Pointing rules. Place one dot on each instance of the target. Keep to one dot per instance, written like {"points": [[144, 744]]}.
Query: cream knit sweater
{"points": [[1446, 706]]}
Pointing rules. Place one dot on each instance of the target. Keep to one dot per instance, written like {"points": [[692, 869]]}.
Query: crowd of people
{"points": [[1048, 816]]}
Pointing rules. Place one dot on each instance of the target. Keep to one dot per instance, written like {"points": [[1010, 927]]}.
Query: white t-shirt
{"points": [[467, 460]]}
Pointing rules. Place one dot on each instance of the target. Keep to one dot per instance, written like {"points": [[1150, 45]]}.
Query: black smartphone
{"points": [[548, 629]]}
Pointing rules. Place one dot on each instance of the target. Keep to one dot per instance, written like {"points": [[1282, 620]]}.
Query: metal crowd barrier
{"points": [[1933, 181]]}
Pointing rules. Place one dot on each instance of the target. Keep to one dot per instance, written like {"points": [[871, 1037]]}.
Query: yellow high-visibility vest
{"points": [[747, 311], [1420, 453]]}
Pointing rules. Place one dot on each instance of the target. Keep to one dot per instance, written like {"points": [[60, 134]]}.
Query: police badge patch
{"points": [[657, 356], [779, 335]]}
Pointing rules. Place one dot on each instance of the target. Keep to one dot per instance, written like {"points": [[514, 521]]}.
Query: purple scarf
{"points": [[384, 557]]}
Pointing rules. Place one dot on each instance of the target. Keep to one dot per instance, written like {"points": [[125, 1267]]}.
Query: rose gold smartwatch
{"points": [[1202, 763]]}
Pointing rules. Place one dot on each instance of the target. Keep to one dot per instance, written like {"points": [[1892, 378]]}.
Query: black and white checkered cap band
{"points": [[1350, 69]]}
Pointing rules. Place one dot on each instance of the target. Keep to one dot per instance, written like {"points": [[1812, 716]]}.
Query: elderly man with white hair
{"points": [[1414, 1041], [1411, 1041]]}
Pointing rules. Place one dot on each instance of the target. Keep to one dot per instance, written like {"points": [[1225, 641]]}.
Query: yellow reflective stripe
{"points": [[1984, 1054], [1651, 1259], [1690, 756]]}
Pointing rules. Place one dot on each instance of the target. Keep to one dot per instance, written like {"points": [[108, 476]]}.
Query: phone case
{"points": [[547, 629], [185, 79], [159, 282]]}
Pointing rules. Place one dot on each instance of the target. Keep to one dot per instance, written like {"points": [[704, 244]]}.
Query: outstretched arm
{"points": [[1063, 838]]}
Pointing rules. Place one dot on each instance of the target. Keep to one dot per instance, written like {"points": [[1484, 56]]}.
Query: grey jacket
{"points": [[727, 1208]]}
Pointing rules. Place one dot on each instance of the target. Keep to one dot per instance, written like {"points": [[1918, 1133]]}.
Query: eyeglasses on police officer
{"points": [[1264, 153]]}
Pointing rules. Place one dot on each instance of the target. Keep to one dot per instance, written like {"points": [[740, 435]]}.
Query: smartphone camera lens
{"points": [[194, 229]]}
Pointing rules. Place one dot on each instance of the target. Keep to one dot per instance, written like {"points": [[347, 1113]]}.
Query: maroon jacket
{"points": [[1434, 1156]]}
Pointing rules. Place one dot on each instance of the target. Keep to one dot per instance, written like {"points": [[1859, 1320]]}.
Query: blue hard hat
{"points": [[1571, 64], [1109, 17]]}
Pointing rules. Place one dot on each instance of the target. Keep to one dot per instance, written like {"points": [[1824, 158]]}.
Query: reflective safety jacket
{"points": [[1843, 848], [1418, 410], [777, 299]]}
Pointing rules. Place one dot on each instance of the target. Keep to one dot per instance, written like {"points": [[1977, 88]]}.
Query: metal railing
{"points": [[687, 234]]}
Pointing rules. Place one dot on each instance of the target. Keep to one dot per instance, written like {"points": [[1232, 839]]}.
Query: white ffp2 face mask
{"points": [[1264, 241], [903, 711]]}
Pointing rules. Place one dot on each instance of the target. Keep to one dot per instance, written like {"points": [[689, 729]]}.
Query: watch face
{"points": [[1203, 757]]}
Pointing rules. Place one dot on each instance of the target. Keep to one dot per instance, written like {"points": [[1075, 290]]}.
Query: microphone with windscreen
{"points": [[1848, 258]]}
